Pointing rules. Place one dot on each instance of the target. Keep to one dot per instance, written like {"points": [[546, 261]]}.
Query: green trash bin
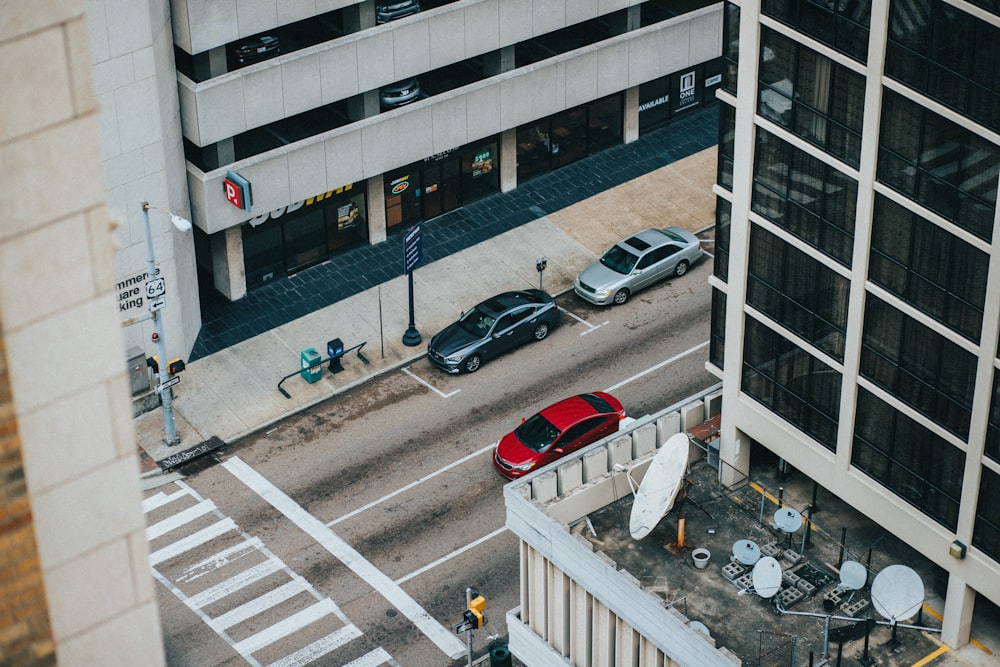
{"points": [[312, 370]]}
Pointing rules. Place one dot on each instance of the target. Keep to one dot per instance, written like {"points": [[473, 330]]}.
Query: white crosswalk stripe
{"points": [[282, 596]]}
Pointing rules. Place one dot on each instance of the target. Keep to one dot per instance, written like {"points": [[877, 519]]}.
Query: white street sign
{"points": [[155, 287], [157, 304]]}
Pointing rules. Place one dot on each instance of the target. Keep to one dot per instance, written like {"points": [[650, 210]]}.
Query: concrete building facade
{"points": [[856, 304], [75, 585], [281, 131]]}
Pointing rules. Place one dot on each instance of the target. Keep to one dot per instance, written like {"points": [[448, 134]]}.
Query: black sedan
{"points": [[493, 327]]}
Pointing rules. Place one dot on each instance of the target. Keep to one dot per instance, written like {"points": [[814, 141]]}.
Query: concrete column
{"points": [[580, 632], [536, 591], [364, 105], [499, 61], [734, 458], [376, 210], [958, 608], [210, 63], [508, 161], [558, 604], [228, 271], [630, 115]]}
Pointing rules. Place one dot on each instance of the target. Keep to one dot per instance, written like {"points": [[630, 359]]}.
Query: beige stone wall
{"points": [[66, 435]]}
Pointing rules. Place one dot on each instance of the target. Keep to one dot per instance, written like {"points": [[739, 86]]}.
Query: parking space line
{"points": [[447, 557], [590, 327], [430, 386], [658, 366], [442, 637], [411, 485]]}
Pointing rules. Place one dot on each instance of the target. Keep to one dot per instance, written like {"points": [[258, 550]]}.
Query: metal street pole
{"points": [[166, 394]]}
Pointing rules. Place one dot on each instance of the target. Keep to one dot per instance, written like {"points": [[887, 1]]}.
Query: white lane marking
{"points": [[430, 386], [285, 627], [256, 606], [161, 499], [590, 327], [437, 633], [175, 521], [447, 557], [225, 557], [658, 366], [372, 659], [235, 583], [320, 647], [191, 541], [409, 486]]}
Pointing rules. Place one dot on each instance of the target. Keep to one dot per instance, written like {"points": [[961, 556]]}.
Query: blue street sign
{"points": [[413, 249]]}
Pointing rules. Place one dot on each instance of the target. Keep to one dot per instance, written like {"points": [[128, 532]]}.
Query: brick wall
{"points": [[25, 634]]}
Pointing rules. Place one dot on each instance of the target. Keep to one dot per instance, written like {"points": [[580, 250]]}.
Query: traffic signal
{"points": [[175, 366], [476, 612], [153, 363]]}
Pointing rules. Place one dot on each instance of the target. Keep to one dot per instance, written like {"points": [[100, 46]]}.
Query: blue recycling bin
{"points": [[311, 368]]}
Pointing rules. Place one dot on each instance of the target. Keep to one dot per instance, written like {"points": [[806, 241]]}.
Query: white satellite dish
{"points": [[853, 575], [788, 519], [659, 487], [766, 577], [897, 592]]}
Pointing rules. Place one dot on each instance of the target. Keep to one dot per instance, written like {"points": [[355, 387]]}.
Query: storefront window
{"points": [[480, 175], [569, 136], [298, 236], [605, 124]]}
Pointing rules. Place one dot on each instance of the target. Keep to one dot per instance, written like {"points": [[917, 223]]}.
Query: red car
{"points": [[556, 431]]}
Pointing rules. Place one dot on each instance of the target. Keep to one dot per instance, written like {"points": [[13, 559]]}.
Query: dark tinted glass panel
{"points": [[986, 533], [920, 467], [993, 427], [717, 347], [727, 137], [805, 196], [947, 54], [723, 218], [918, 365], [941, 165], [928, 267], [792, 383], [811, 95], [797, 292], [731, 46], [842, 25]]}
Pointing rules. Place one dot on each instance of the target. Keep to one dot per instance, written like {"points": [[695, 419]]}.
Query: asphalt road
{"points": [[381, 505]]}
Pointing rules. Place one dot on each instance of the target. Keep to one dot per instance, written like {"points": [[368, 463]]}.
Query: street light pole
{"points": [[166, 393]]}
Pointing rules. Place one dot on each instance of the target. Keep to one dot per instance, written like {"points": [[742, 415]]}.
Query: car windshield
{"points": [[476, 322], [620, 260], [537, 433]]}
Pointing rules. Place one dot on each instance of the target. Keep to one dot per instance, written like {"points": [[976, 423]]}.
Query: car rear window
{"points": [[676, 237], [597, 403]]}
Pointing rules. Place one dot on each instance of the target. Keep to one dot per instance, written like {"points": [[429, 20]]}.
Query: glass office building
{"points": [[856, 290]]}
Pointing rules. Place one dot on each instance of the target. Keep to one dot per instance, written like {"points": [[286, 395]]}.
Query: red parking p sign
{"points": [[237, 191]]}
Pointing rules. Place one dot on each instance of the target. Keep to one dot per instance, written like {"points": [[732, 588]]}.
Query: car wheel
{"points": [[473, 363], [541, 331], [682, 268], [621, 296]]}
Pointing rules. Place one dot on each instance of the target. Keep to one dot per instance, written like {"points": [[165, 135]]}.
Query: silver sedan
{"points": [[637, 262]]}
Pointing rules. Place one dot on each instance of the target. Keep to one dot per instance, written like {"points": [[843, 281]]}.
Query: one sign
{"points": [[155, 287], [237, 190], [464, 626], [157, 304], [169, 383], [413, 249]]}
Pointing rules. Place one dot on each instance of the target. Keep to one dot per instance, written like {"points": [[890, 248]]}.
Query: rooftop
{"points": [[813, 615]]}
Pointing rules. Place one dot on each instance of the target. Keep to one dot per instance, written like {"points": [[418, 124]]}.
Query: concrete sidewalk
{"points": [[234, 392]]}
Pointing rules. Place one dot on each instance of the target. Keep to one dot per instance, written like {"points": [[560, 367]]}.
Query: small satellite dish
{"points": [[766, 577], [746, 552], [853, 575], [659, 486], [788, 519], [897, 593]]}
